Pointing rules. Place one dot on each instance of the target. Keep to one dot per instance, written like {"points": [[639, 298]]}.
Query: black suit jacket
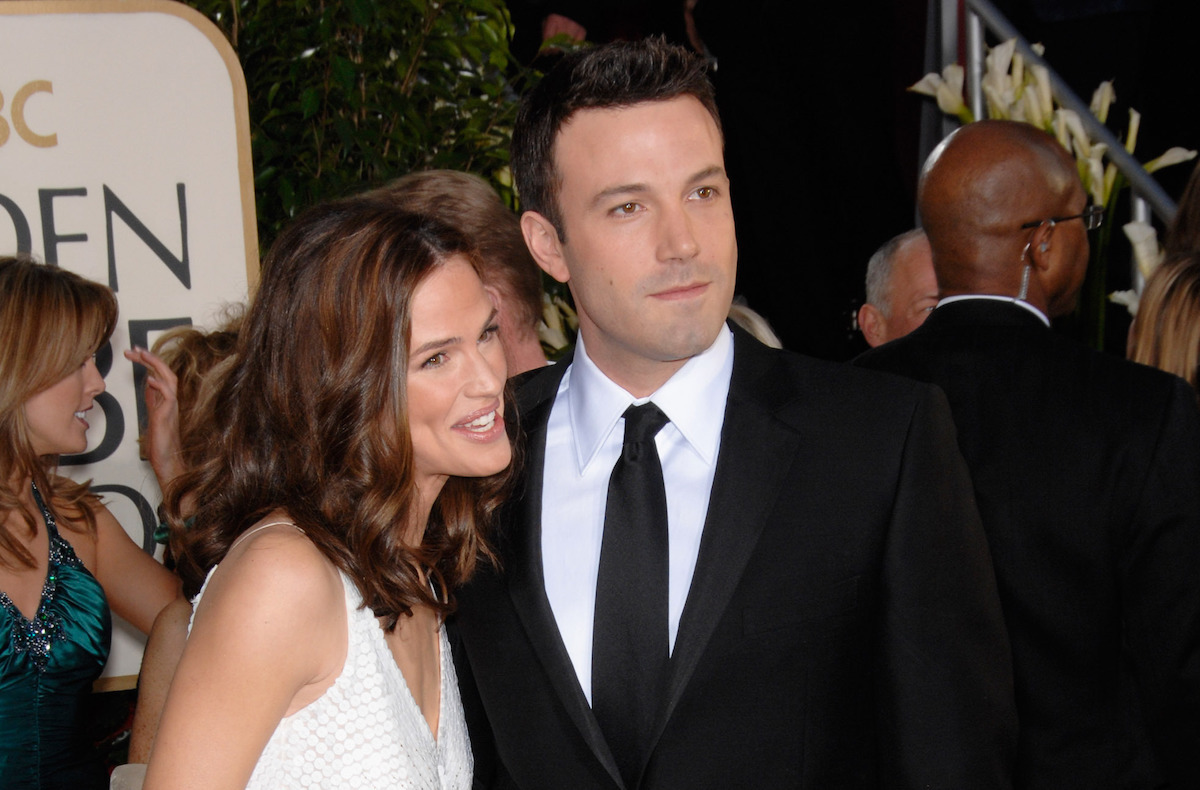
{"points": [[1087, 474], [842, 628]]}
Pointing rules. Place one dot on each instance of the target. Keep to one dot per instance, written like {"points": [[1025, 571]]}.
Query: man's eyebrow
{"points": [[606, 195], [707, 173]]}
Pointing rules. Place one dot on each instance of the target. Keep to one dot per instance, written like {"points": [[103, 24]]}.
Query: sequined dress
{"points": [[47, 667], [366, 730]]}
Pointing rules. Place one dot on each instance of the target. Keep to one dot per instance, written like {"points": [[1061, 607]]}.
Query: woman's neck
{"points": [[427, 493]]}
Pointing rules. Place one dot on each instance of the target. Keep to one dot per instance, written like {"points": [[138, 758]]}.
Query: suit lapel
{"points": [[748, 477], [526, 584]]}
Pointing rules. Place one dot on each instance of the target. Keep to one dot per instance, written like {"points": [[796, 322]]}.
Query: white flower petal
{"points": [[1135, 121], [1172, 156], [928, 84], [1102, 99], [1128, 298], [997, 65], [1143, 238]]}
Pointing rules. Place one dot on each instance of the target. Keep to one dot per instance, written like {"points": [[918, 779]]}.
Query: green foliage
{"points": [[347, 95]]}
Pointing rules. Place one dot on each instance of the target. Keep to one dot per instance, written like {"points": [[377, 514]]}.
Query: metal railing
{"points": [[1147, 194]]}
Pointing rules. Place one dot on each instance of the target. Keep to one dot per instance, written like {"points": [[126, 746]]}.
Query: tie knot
{"points": [[643, 422]]}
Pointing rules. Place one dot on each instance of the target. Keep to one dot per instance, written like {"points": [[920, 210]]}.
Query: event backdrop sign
{"points": [[125, 157]]}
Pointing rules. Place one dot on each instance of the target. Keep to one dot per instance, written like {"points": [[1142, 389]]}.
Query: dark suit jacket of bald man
{"points": [[841, 630], [1087, 474]]}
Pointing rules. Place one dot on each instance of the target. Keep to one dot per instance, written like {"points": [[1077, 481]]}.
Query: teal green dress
{"points": [[47, 667]]}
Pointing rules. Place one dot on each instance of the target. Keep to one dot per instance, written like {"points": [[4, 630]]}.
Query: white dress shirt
{"points": [[994, 298], [583, 441]]}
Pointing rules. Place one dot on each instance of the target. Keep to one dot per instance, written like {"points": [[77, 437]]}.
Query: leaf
{"points": [[310, 102]]}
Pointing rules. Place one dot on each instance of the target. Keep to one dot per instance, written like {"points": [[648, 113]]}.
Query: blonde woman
{"points": [[64, 559], [1166, 332]]}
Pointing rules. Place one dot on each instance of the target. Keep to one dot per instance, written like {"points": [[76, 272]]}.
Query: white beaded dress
{"points": [[366, 730]]}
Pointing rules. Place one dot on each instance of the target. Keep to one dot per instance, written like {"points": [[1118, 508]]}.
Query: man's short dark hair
{"points": [[620, 74]]}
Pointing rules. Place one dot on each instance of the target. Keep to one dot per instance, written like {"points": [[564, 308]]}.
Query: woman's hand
{"points": [[164, 448]]}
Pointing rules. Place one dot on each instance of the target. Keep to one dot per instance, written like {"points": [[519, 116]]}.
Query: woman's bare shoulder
{"points": [[275, 577]]}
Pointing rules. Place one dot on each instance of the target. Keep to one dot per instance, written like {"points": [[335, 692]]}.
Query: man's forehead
{"points": [[612, 115]]}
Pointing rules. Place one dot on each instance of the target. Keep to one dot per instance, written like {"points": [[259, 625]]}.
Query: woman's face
{"points": [[456, 377], [55, 415]]}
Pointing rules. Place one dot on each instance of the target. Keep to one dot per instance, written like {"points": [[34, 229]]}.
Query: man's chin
{"points": [[686, 343]]}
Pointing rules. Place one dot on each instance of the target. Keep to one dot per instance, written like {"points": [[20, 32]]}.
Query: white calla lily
{"points": [[997, 84], [1018, 74], [1129, 299], [1032, 108], [999, 102], [947, 88], [553, 338], [568, 313], [1102, 99], [550, 328], [1060, 129], [1045, 98], [1172, 156], [1110, 181], [1081, 143], [1143, 238], [550, 314], [1135, 123]]}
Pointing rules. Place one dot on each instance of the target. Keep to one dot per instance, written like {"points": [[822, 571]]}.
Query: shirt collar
{"points": [[994, 298], [690, 398]]}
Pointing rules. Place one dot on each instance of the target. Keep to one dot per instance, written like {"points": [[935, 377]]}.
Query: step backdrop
{"points": [[125, 157]]}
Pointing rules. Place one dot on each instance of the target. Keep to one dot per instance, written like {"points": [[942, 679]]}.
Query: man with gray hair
{"points": [[901, 288]]}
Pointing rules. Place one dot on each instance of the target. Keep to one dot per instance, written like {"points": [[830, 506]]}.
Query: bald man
{"points": [[901, 288], [1086, 470]]}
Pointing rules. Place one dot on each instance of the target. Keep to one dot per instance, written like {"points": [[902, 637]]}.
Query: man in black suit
{"points": [[1086, 470], [814, 606]]}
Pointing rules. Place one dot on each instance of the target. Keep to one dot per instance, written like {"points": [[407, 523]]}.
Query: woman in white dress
{"points": [[358, 451]]}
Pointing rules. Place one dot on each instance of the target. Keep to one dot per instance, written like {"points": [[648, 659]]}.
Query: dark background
{"points": [[823, 140]]}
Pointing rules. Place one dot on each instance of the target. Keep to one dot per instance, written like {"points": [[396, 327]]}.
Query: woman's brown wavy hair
{"points": [[301, 421], [51, 321]]}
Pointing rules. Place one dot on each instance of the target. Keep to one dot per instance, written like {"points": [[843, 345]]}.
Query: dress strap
{"points": [[260, 528], [47, 516]]}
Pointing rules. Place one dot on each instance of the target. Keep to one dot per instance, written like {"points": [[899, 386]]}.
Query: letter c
{"points": [[3, 124], [18, 114]]}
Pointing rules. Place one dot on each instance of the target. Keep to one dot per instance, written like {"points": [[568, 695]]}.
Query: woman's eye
{"points": [[704, 193], [437, 360], [490, 333]]}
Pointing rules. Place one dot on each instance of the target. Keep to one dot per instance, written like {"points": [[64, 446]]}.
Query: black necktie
{"points": [[630, 651]]}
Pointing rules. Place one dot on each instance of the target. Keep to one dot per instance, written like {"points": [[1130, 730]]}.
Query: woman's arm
{"points": [[163, 649], [137, 586], [268, 637]]}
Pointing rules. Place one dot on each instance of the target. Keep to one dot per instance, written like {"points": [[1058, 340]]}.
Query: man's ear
{"points": [[872, 325], [541, 237], [1041, 246]]}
